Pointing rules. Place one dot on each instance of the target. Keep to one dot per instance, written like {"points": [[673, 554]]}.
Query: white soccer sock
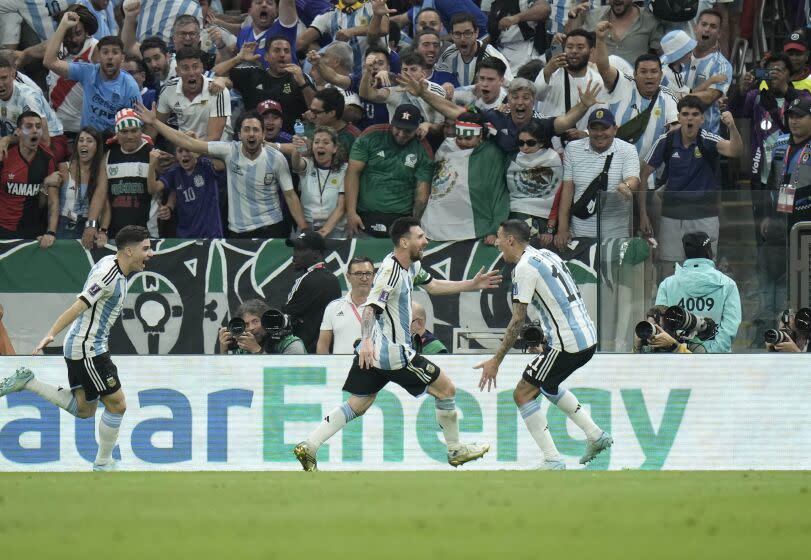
{"points": [[448, 419], [568, 403], [340, 416], [63, 398], [537, 426], [108, 435]]}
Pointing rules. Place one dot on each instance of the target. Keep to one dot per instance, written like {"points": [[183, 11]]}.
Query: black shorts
{"points": [[98, 376], [551, 367], [414, 378]]}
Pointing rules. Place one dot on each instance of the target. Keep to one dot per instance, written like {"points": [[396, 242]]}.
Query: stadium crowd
{"points": [[273, 117]]}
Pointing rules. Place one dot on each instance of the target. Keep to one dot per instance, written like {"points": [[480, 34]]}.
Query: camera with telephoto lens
{"points": [[802, 320], [531, 335], [645, 330], [802, 325], [276, 324], [236, 328], [777, 336], [686, 325]]}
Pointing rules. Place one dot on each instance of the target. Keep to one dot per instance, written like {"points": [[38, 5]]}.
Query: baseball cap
{"points": [[307, 239], [602, 116], [800, 106], [269, 105], [675, 45], [697, 245], [795, 43], [407, 116]]}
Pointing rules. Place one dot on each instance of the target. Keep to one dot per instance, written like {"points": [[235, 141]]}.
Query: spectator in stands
{"points": [[158, 18], [797, 52], [601, 162], [106, 89], [424, 14], [469, 197], [559, 83], [272, 115], [428, 44], [690, 199], [389, 174], [489, 91], [513, 26], [311, 292], [102, 11], [136, 68], [327, 110], [534, 175], [283, 81], [340, 327], [321, 182], [520, 98], [258, 175], [155, 55], [634, 30], [645, 110], [265, 24], [333, 66], [17, 98], [194, 184], [463, 57], [378, 62], [677, 51], [28, 172], [255, 339], [698, 286], [424, 340], [79, 183], [188, 98], [122, 195], [415, 68]]}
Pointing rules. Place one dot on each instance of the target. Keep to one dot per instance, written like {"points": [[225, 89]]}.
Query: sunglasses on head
{"points": [[529, 143]]}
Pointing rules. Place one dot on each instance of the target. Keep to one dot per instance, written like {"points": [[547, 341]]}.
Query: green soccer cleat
{"points": [[593, 448], [552, 465], [16, 382], [466, 452], [306, 456], [112, 466]]}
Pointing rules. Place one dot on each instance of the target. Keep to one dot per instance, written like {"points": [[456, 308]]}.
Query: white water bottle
{"points": [[298, 129]]}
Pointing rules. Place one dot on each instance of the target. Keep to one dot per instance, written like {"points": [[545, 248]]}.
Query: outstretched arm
{"points": [[482, 281], [79, 306], [588, 97], [447, 108], [179, 139]]}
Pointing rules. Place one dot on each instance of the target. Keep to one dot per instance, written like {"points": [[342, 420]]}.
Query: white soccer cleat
{"points": [[112, 466], [593, 448], [16, 382], [466, 452], [552, 465]]}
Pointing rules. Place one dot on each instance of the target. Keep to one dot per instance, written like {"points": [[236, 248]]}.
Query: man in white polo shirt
{"points": [[189, 99], [340, 327]]}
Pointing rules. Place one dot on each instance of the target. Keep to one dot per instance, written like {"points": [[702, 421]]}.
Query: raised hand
{"points": [[487, 280], [588, 97]]}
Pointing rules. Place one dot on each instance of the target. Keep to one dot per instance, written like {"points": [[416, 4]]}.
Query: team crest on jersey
{"points": [[94, 289], [199, 181], [287, 90], [111, 382], [113, 170], [697, 153], [268, 178], [805, 158], [430, 368], [411, 160], [236, 169]]}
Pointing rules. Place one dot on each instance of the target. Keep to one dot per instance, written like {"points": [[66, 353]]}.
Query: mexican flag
{"points": [[469, 197]]}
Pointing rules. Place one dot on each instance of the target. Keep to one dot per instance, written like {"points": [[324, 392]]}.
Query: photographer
{"points": [[793, 334], [246, 333], [311, 292], [656, 338], [698, 287]]}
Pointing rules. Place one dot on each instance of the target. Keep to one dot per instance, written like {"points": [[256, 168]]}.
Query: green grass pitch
{"points": [[409, 515]]}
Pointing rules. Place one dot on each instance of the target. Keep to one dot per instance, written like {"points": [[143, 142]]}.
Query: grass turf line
{"points": [[411, 515]]}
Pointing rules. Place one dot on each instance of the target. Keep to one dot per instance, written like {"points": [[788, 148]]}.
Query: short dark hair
{"points": [[130, 235], [332, 100], [517, 228], [711, 12], [412, 58], [185, 53], [248, 115], [530, 70], [25, 115], [253, 306], [110, 41], [691, 102], [645, 58], [494, 63], [591, 39], [535, 129], [780, 57], [154, 42], [423, 10], [378, 49], [139, 62], [421, 34], [359, 260], [401, 228], [462, 17], [279, 38]]}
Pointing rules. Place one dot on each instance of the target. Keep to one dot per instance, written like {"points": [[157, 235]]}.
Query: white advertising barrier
{"points": [[247, 413]]}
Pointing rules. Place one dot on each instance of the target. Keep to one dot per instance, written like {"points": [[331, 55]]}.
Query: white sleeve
{"points": [[324, 23], [623, 90], [222, 105], [523, 283], [220, 150], [97, 286], [282, 170], [329, 314]]}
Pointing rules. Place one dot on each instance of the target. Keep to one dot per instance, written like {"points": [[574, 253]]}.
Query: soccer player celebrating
{"points": [[91, 372], [540, 277], [385, 353]]}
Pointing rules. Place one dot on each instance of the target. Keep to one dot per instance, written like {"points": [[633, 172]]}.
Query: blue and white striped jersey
{"points": [[451, 61], [541, 279], [39, 14], [158, 16], [699, 71], [254, 185], [391, 293], [330, 22], [104, 291]]}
